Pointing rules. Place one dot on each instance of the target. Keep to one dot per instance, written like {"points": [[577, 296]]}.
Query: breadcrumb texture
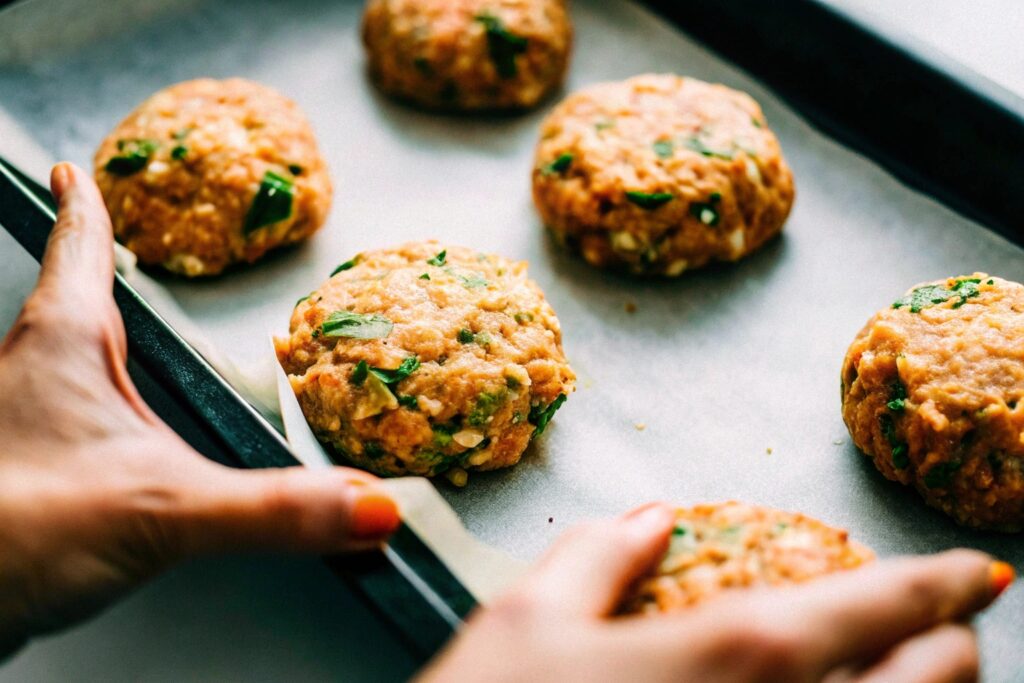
{"points": [[451, 54], [490, 357], [957, 436], [720, 547], [706, 175], [187, 213]]}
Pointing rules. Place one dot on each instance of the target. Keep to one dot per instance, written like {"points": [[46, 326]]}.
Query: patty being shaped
{"points": [[425, 359], [468, 54], [719, 547], [933, 392], [208, 173], [659, 174]]}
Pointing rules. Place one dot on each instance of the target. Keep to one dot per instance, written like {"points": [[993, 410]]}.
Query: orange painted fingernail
{"points": [[1000, 575], [375, 516]]}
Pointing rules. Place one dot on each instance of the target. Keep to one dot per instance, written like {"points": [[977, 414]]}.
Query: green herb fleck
{"points": [[359, 373], [697, 145], [439, 258], [442, 435], [990, 282], [294, 169], [351, 263], [179, 152], [604, 124], [757, 123], [133, 157], [408, 402], [523, 318], [502, 45], [316, 333], [707, 212], [679, 531], [650, 200], [941, 474], [273, 202], [664, 149], [559, 165], [425, 276], [373, 450], [486, 405], [900, 458], [356, 325], [465, 336], [305, 298], [897, 397], [389, 377], [472, 281], [930, 295], [541, 416]]}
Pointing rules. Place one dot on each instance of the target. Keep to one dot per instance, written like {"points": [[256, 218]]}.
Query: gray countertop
{"points": [[263, 618]]}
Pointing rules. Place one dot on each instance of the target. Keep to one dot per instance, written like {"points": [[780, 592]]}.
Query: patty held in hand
{"points": [[933, 392], [207, 173], [714, 548], [427, 359], [468, 54], [659, 174]]}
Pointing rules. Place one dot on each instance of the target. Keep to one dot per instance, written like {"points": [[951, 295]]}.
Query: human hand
{"points": [[97, 493], [897, 620]]}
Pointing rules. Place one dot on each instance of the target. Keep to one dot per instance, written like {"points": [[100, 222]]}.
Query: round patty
{"points": [[933, 392], [733, 545], [659, 173], [468, 54], [209, 173], [425, 359]]}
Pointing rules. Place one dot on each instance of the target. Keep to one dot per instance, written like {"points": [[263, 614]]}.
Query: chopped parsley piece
{"points": [[650, 200], [757, 123], [679, 531], [990, 282], [439, 259], [559, 165], [486, 405], [133, 157], [472, 281], [425, 276], [179, 152], [316, 333], [305, 298], [900, 458], [294, 169], [389, 377], [697, 145], [372, 449], [502, 45], [465, 336], [359, 373], [443, 435], [664, 149], [522, 318], [356, 325], [941, 474], [351, 263], [273, 202], [706, 212], [930, 295], [408, 402], [897, 397], [541, 416]]}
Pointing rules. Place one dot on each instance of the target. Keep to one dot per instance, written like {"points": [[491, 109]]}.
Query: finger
{"points": [[79, 258], [944, 654], [292, 509], [587, 571]]}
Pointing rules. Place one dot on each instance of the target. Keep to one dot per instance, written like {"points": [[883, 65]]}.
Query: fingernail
{"points": [[375, 515], [60, 179], [1000, 575], [652, 515]]}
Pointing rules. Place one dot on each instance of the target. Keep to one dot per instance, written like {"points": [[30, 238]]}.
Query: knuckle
{"points": [[962, 649], [516, 606], [769, 646]]}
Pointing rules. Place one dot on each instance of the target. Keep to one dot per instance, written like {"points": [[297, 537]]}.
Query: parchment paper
{"points": [[719, 367]]}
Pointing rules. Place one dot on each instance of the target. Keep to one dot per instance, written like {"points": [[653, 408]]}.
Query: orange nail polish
{"points": [[375, 515], [1001, 575]]}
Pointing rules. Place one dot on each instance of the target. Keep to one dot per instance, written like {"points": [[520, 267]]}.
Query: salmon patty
{"points": [[427, 359], [933, 392], [206, 173], [715, 548], [659, 174], [468, 54]]}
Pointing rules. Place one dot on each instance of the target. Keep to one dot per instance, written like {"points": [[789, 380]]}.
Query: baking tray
{"points": [[731, 370]]}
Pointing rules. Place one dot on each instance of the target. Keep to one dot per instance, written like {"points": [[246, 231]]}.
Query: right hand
{"points": [[897, 620]]}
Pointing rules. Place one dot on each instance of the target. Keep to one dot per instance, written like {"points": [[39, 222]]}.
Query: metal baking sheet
{"points": [[731, 371]]}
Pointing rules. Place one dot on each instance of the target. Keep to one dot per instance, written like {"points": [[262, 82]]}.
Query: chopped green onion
{"points": [[650, 200], [356, 325], [541, 416], [133, 158], [559, 165], [389, 377], [359, 373], [502, 45], [273, 202], [439, 259], [351, 263]]}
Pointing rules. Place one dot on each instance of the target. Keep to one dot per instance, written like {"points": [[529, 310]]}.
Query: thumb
{"points": [[294, 509], [587, 571]]}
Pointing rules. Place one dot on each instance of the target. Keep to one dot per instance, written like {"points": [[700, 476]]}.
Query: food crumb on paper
{"points": [[838, 442], [768, 450], [640, 426], [550, 520], [630, 307]]}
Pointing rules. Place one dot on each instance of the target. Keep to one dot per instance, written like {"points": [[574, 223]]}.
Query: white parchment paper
{"points": [[719, 367]]}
